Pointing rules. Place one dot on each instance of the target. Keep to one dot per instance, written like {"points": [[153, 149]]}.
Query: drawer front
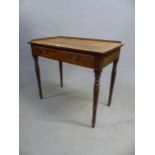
{"points": [[77, 58], [45, 52], [66, 56]]}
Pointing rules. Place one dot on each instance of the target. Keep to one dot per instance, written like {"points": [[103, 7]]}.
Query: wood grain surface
{"points": [[81, 44]]}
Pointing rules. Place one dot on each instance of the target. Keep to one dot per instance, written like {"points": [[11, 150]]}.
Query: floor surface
{"points": [[60, 124]]}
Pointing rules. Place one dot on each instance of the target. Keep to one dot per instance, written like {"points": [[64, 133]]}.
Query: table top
{"points": [[82, 44]]}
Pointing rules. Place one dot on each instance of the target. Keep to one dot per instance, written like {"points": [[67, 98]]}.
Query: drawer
{"points": [[45, 52], [77, 58]]}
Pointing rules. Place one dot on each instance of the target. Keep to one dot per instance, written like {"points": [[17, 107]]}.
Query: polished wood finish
{"points": [[113, 75], [85, 45], [91, 53], [77, 58], [37, 69], [45, 52]]}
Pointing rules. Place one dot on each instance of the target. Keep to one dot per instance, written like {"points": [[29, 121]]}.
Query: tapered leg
{"points": [[96, 94], [38, 75], [61, 73], [113, 75]]}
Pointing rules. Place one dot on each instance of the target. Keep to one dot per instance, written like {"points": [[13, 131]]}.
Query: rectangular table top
{"points": [[82, 44]]}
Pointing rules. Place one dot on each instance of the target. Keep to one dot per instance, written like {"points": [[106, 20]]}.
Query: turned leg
{"points": [[96, 94], [113, 75], [61, 74], [38, 75]]}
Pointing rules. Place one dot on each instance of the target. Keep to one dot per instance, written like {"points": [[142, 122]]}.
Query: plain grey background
{"points": [[60, 123]]}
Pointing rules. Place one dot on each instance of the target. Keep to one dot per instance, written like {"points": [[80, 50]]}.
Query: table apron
{"points": [[86, 60]]}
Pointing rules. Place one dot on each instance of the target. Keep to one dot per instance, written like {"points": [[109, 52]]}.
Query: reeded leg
{"points": [[113, 75], [96, 94], [38, 75], [61, 74]]}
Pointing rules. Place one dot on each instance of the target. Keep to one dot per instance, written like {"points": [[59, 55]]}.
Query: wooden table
{"points": [[91, 53]]}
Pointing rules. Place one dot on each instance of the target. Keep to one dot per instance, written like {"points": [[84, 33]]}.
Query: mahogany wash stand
{"points": [[91, 53]]}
